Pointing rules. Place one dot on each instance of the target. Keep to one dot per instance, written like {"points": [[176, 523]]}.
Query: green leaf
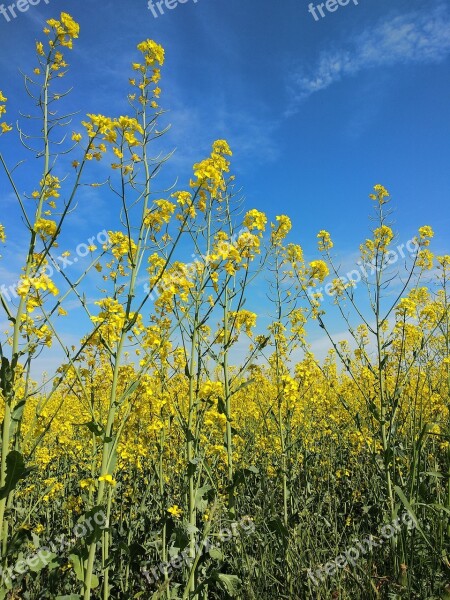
{"points": [[18, 411], [95, 428], [40, 562], [230, 583], [135, 550], [15, 472], [77, 566], [408, 507], [277, 526], [440, 507], [112, 463], [216, 554], [6, 376], [434, 474], [221, 408], [200, 502], [246, 383], [133, 387], [69, 597]]}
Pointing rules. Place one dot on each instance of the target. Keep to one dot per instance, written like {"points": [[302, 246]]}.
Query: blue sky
{"points": [[316, 112]]}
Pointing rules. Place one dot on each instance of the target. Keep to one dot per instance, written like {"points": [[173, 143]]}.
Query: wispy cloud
{"points": [[249, 133], [416, 37]]}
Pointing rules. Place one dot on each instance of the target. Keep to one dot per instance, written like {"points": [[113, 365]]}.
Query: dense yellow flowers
{"points": [[180, 400], [381, 194], [318, 270], [43, 283], [325, 242], [244, 320], [66, 29], [280, 230], [45, 228], [210, 173], [255, 219], [383, 236], [153, 52]]}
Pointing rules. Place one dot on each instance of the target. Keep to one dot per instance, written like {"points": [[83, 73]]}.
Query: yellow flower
{"points": [[255, 219], [383, 236], [222, 147], [319, 270], [406, 308], [425, 259], [45, 228], [210, 172], [50, 186], [108, 479], [3, 126], [153, 53], [66, 30], [290, 388], [88, 484], [325, 242], [42, 283], [175, 511], [211, 389], [182, 198], [39, 529], [243, 319], [425, 233], [280, 231], [380, 194]]}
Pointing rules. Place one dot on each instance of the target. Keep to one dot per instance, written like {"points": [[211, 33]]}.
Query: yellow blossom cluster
{"points": [[32, 287], [210, 172], [46, 228], [318, 270], [325, 242], [4, 127], [255, 219], [65, 28], [381, 194]]}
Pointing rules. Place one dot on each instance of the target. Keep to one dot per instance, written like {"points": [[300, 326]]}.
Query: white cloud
{"points": [[415, 37]]}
